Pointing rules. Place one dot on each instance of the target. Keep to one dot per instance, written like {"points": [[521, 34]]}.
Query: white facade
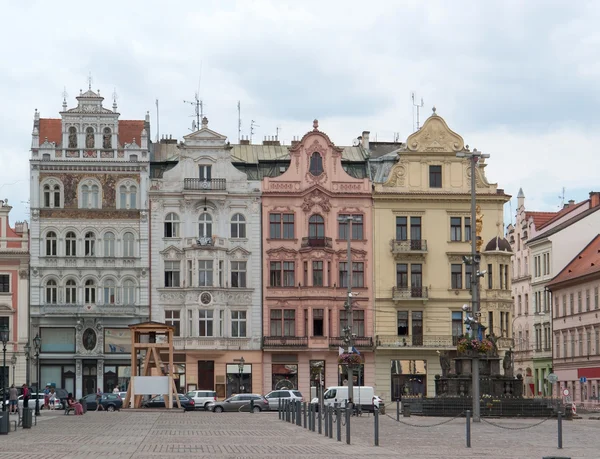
{"points": [[89, 243], [206, 262]]}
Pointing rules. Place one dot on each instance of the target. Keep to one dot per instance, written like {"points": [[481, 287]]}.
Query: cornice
{"points": [[91, 168]]}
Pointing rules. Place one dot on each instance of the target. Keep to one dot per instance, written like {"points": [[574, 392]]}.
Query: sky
{"points": [[517, 80]]}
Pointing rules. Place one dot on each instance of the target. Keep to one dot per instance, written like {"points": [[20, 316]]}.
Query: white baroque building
{"points": [[205, 237], [89, 243]]}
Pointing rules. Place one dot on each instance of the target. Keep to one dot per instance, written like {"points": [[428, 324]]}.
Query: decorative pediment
{"points": [[205, 134], [238, 253], [172, 253], [357, 254], [6, 308], [435, 136], [397, 175], [281, 253], [316, 198]]}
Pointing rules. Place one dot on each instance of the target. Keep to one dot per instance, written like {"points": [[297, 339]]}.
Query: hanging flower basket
{"points": [[471, 346], [350, 359]]}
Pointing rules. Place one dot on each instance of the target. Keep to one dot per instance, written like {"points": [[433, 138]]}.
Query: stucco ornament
{"points": [[478, 227], [397, 176], [435, 135], [316, 198]]}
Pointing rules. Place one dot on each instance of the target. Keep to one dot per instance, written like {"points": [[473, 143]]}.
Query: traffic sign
{"points": [[566, 392], [552, 378], [583, 379]]}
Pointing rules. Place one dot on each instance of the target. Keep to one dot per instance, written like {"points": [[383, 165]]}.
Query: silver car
{"points": [[275, 396], [240, 402]]}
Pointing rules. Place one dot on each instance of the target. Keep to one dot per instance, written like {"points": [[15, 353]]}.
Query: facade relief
{"points": [[435, 136], [95, 214], [316, 198]]}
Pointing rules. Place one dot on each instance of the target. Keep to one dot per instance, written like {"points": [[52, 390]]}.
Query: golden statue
{"points": [[478, 227]]}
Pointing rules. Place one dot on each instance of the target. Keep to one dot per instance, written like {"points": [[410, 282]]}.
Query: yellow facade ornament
{"points": [[478, 227]]}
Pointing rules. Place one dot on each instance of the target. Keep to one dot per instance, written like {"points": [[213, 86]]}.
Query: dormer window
{"points": [[316, 164]]}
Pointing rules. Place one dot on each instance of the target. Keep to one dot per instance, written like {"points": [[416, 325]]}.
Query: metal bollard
{"points": [[376, 419], [406, 410], [325, 412], [398, 410], [468, 428], [348, 416], [313, 415], [559, 430], [330, 415], [288, 411], [319, 421], [251, 406], [305, 409], [299, 413], [338, 420], [279, 408]]}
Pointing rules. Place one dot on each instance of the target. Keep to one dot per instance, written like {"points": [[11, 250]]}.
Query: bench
{"points": [[68, 409]]}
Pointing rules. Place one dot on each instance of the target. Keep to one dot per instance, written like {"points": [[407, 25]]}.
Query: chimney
{"points": [[571, 202], [594, 198], [295, 141], [245, 141], [365, 140]]}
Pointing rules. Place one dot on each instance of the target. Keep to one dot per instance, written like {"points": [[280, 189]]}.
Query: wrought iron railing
{"points": [[410, 293], [316, 242], [198, 184], [409, 245], [285, 341], [431, 341], [362, 342]]}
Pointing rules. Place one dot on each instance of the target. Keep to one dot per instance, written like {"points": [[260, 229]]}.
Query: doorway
{"points": [[206, 375], [90, 378]]}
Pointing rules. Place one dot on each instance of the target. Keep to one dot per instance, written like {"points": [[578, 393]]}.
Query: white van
{"points": [[363, 396]]}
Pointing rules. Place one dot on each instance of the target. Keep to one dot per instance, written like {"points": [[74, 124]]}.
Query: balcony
{"points": [[216, 343], [360, 342], [198, 184], [410, 293], [285, 341], [415, 246], [420, 341], [316, 242], [95, 309]]}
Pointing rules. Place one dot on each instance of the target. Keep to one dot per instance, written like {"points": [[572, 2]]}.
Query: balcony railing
{"points": [[316, 242], [429, 341], [285, 341], [410, 245], [360, 342], [409, 293], [198, 184]]}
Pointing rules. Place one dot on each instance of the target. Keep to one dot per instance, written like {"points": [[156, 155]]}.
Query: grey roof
{"points": [[381, 167], [564, 225], [378, 149], [498, 244], [521, 194], [255, 153]]}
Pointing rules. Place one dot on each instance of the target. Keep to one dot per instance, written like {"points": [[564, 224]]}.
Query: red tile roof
{"points": [[50, 129], [585, 263], [540, 218], [562, 212], [129, 130]]}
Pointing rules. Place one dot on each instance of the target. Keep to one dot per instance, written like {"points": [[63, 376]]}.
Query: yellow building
{"points": [[422, 222]]}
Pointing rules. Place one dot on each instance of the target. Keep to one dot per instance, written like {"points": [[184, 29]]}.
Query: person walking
{"points": [[13, 396], [98, 399], [47, 397], [25, 396], [52, 399]]}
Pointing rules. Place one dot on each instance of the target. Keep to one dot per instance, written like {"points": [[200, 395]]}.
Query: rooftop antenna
{"points": [[239, 121], [277, 130], [396, 137], [90, 80], [252, 126], [198, 105], [418, 108], [157, 123], [562, 198]]}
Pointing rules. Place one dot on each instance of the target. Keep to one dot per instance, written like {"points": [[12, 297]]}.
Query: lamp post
{"points": [[13, 362], [241, 372], [4, 338], [27, 348], [348, 335], [37, 344], [474, 158]]}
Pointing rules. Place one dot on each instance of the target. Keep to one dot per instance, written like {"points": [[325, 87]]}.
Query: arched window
{"points": [[238, 226], [128, 292], [90, 291], [89, 137], [85, 196], [109, 244], [172, 225], [72, 137], [133, 197], [56, 196], [90, 244], [107, 139], [316, 164], [95, 196], [205, 225], [71, 244], [46, 195], [51, 244], [316, 227], [128, 196], [90, 196], [51, 291], [70, 292], [128, 245], [123, 196], [109, 291]]}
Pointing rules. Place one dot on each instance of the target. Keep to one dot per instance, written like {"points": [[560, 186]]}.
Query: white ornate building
{"points": [[89, 243], [206, 266]]}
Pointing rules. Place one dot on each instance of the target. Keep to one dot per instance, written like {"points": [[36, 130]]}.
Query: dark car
{"points": [[110, 402], [159, 402], [240, 402]]}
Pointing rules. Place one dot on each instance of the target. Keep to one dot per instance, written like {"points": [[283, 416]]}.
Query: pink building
{"points": [[304, 269], [576, 326]]}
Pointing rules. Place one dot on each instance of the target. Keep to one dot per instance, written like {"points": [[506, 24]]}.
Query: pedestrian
{"points": [[47, 397], [13, 397], [98, 399], [116, 390], [75, 405], [52, 398], [25, 396]]}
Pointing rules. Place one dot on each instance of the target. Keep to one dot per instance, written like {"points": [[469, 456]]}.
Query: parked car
{"points": [[202, 398], [57, 404], [159, 402], [274, 396], [110, 402], [240, 402]]}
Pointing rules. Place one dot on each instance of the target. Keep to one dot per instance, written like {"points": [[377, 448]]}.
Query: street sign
{"points": [[566, 392], [583, 379], [552, 378]]}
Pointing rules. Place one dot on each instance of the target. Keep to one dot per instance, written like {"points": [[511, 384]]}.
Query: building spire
{"points": [[90, 80], [115, 97], [65, 95]]}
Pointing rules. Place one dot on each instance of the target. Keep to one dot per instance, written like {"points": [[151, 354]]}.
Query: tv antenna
{"points": [[198, 105], [239, 122], [418, 108], [252, 126], [562, 198], [277, 130]]}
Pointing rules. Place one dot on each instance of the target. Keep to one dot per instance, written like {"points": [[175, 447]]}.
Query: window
{"points": [[580, 339], [317, 272], [490, 277], [71, 244], [457, 326], [316, 164], [51, 291], [173, 318], [316, 227], [276, 324], [526, 304], [455, 229], [46, 195], [238, 226], [402, 275], [401, 228], [358, 319], [358, 275], [415, 230], [283, 322], [128, 245], [109, 291], [90, 291], [70, 292], [238, 274], [205, 226], [275, 226], [123, 197], [275, 274], [579, 306], [417, 327], [90, 244], [501, 278], [238, 324], [109, 244], [288, 226], [51, 196], [519, 305], [571, 304], [171, 225], [589, 342], [587, 300], [51, 243], [403, 323], [205, 172], [90, 196], [356, 224], [318, 321], [128, 292], [288, 274], [416, 279], [456, 276], [172, 273], [205, 322], [205, 273], [468, 275], [435, 176], [467, 229], [595, 297]]}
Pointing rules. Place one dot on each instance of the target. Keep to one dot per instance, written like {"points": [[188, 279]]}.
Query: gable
{"points": [[172, 253], [435, 136]]}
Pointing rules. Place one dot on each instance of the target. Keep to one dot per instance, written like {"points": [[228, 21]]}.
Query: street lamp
{"points": [[348, 335], [13, 362], [27, 348], [37, 344], [4, 338], [474, 158], [241, 371]]}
